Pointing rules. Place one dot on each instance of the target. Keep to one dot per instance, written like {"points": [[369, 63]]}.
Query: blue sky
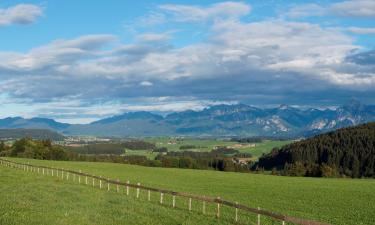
{"points": [[77, 61]]}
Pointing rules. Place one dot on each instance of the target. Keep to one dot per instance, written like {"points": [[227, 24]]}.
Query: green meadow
{"points": [[29, 198]]}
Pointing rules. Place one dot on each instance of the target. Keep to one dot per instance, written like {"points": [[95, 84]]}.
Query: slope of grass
{"points": [[264, 147], [338, 201]]}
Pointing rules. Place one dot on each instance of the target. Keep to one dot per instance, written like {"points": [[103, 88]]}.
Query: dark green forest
{"points": [[347, 152]]}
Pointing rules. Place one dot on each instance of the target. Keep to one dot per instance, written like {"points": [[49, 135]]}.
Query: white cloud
{"points": [[361, 30], [354, 8], [20, 14], [153, 37], [146, 83], [55, 54], [197, 13], [306, 10]]}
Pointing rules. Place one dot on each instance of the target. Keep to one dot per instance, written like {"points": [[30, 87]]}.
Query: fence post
{"points": [[79, 177], [283, 222], [43, 171], [204, 207], [117, 187], [62, 173], [174, 201], [161, 197], [149, 195], [52, 172], [67, 175], [127, 187], [138, 190], [189, 204], [236, 217], [93, 181], [100, 182], [258, 217], [218, 208], [108, 184]]}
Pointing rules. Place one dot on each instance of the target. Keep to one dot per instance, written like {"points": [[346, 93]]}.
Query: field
{"points": [[33, 199], [206, 145]]}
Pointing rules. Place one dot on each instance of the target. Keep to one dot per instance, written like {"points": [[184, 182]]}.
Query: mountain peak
{"points": [[284, 107]]}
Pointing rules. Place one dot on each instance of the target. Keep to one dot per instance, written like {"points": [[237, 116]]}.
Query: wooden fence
{"points": [[64, 174]]}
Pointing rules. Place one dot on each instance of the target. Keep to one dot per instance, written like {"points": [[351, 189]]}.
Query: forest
{"points": [[347, 152]]}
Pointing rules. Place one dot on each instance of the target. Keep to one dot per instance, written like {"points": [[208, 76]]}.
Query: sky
{"points": [[79, 61]]}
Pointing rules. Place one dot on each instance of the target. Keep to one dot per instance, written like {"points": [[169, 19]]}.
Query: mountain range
{"points": [[218, 120]]}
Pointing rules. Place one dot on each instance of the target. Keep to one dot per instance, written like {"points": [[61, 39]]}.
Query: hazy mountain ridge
{"points": [[219, 120], [39, 134]]}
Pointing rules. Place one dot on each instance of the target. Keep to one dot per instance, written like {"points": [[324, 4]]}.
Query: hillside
{"points": [[39, 134], [348, 151], [218, 120], [336, 201]]}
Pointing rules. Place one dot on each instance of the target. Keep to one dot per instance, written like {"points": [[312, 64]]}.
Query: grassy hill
{"points": [[338, 201]]}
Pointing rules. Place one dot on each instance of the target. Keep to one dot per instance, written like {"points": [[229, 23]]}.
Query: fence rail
{"points": [[60, 172]]}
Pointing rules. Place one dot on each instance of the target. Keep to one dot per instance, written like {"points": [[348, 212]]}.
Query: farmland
{"points": [[206, 145], [338, 201]]}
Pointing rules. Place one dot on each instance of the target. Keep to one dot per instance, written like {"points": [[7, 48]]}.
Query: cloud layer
{"points": [[258, 62]]}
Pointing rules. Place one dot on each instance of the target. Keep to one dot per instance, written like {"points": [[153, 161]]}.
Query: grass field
{"points": [[36, 200], [338, 201]]}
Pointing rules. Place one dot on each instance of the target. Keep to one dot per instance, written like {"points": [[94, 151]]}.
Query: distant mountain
{"points": [[347, 151], [219, 120], [129, 116], [40, 134], [42, 123]]}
